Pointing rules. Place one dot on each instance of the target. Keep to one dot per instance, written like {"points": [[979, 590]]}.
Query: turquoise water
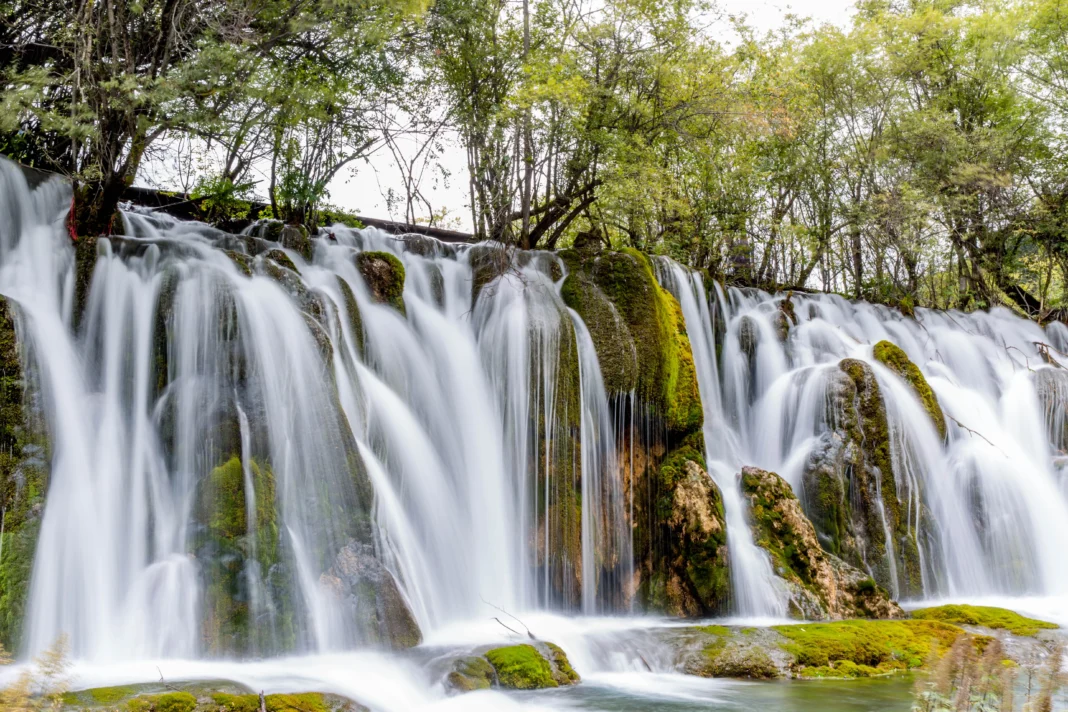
{"points": [[678, 693]]}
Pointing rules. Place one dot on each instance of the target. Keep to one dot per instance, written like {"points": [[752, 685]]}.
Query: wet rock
{"points": [[822, 586], [691, 574], [748, 337], [891, 356], [372, 598], [785, 317], [24, 476], [612, 340], [848, 485], [531, 666], [488, 262], [384, 275], [295, 237], [1051, 386], [469, 674]]}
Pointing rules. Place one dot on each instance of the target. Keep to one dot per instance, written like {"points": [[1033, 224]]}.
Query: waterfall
{"points": [[756, 591], [246, 440]]}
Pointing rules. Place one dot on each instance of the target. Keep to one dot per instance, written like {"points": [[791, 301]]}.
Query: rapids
{"points": [[460, 413]]}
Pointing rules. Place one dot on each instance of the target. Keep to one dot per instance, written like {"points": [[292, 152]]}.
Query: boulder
{"points": [[821, 584], [690, 575], [384, 275], [372, 598]]}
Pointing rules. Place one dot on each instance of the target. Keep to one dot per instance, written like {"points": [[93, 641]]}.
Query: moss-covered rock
{"points": [[985, 617], [891, 356], [352, 313], [295, 237], [667, 379], [691, 574], [282, 259], [786, 317], [371, 598], [469, 674], [201, 697], [229, 544], [384, 276], [612, 340], [525, 667], [822, 586], [242, 261], [883, 645], [849, 486]]}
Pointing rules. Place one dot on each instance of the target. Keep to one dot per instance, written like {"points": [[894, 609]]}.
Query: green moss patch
{"points": [[884, 645], [167, 702], [986, 617], [891, 356], [521, 667]]}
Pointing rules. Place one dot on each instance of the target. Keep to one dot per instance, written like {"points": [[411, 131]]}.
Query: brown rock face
{"points": [[823, 586]]}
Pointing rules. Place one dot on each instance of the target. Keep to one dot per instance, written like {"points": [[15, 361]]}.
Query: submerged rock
{"points": [[372, 598], [822, 586]]}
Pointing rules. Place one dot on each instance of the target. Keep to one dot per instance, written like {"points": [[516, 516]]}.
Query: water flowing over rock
{"points": [[277, 443], [821, 584], [371, 597]]}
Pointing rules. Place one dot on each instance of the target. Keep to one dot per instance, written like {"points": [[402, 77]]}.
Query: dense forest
{"points": [[915, 157]]}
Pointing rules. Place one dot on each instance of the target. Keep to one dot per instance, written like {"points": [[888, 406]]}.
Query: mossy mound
{"points": [[524, 667], [883, 645], [891, 356], [822, 585], [384, 276], [166, 702], [691, 576], [488, 262], [667, 380], [612, 340], [985, 617]]}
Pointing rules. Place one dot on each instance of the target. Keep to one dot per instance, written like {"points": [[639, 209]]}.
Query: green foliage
{"points": [[521, 667], [986, 617], [220, 200]]}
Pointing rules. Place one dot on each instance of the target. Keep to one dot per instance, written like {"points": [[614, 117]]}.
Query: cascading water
{"points": [[241, 441], [987, 507], [756, 591]]}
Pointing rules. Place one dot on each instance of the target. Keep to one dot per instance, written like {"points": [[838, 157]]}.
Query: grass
{"points": [[985, 616]]}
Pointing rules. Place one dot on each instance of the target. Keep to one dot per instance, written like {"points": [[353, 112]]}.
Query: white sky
{"points": [[363, 187]]}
